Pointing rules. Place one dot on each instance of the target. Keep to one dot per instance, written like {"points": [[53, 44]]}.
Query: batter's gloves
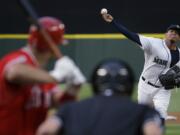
{"points": [[65, 70]]}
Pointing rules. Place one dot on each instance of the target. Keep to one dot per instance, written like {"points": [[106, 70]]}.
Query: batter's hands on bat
{"points": [[107, 17], [66, 70]]}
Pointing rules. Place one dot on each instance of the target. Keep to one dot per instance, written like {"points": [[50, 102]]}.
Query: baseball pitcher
{"points": [[160, 55]]}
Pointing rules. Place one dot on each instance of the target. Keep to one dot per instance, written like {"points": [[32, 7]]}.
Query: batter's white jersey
{"points": [[157, 61]]}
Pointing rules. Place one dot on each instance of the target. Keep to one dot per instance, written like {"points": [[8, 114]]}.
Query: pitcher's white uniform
{"points": [[157, 61]]}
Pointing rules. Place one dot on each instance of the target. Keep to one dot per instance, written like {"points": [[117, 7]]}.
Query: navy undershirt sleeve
{"points": [[174, 57], [130, 35]]}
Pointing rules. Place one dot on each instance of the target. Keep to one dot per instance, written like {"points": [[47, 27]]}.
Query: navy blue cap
{"points": [[174, 27]]}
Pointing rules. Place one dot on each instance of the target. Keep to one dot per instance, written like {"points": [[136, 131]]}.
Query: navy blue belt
{"points": [[144, 79]]}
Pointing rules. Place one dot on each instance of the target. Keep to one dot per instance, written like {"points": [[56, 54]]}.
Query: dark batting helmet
{"points": [[112, 77], [54, 27]]}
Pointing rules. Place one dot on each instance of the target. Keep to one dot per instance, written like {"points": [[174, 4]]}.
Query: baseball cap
{"points": [[174, 27]]}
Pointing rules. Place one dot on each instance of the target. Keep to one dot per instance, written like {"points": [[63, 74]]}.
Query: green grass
{"points": [[171, 129], [175, 101]]}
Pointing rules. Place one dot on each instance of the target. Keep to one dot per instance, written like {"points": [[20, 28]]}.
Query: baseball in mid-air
{"points": [[104, 11]]}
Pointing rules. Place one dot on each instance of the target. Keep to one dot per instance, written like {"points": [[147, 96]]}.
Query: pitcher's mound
{"points": [[173, 118]]}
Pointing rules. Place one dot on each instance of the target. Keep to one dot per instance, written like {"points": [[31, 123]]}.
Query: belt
{"points": [[144, 79]]}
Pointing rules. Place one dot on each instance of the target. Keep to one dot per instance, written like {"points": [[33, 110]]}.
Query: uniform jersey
{"points": [[102, 115], [157, 58], [12, 97], [36, 109], [17, 102]]}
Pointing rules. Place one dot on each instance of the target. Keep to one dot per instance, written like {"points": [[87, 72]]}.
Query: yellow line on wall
{"points": [[13, 36], [81, 36]]}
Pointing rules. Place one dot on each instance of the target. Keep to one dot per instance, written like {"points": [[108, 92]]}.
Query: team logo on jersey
{"points": [[160, 61]]}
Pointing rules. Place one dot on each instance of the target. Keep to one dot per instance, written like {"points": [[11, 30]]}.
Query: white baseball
{"points": [[104, 11]]}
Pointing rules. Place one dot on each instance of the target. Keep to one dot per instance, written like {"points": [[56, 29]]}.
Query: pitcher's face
{"points": [[172, 35]]}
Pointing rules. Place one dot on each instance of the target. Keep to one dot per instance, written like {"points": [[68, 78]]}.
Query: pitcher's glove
{"points": [[171, 78]]}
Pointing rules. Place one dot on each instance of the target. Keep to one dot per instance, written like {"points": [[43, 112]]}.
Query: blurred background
{"points": [[90, 39], [83, 17]]}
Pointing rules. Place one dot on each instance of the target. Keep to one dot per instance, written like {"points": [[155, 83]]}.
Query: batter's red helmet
{"points": [[54, 27]]}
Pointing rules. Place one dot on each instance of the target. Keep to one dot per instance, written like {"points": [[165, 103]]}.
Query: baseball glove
{"points": [[171, 79]]}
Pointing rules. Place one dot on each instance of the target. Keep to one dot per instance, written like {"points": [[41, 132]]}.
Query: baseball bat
{"points": [[32, 17]]}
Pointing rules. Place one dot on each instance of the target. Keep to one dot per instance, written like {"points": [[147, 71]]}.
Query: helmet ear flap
{"points": [[114, 75]]}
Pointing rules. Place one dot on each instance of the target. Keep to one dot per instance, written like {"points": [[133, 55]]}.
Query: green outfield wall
{"points": [[88, 50]]}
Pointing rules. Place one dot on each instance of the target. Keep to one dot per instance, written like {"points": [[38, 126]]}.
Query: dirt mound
{"points": [[172, 121]]}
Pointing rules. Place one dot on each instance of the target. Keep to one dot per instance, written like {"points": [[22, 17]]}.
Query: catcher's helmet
{"points": [[54, 27], [112, 77]]}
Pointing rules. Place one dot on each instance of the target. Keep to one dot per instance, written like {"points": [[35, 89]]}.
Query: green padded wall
{"points": [[88, 52]]}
